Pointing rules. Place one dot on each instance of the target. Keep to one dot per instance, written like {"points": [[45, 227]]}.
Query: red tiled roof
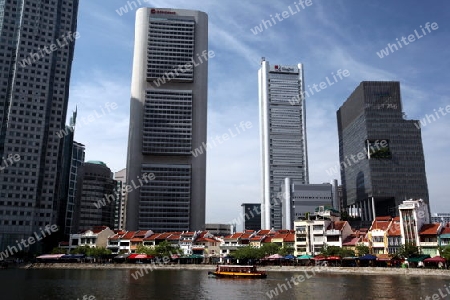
{"points": [[351, 241], [394, 230], [263, 232], [338, 225], [173, 237], [380, 224], [290, 237], [446, 230], [128, 235], [234, 236], [267, 239], [136, 239], [210, 240], [98, 229], [430, 229]]}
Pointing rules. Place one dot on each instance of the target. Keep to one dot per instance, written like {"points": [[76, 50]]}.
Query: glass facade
{"points": [[381, 153]]}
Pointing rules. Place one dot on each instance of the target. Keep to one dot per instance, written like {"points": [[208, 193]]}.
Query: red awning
{"points": [[333, 258], [437, 259], [140, 256]]}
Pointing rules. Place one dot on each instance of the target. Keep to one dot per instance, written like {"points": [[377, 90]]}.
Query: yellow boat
{"points": [[230, 271]]}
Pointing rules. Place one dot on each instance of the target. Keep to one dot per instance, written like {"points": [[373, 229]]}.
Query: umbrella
{"points": [[333, 258], [275, 256], [437, 259], [367, 257], [305, 256], [290, 256]]}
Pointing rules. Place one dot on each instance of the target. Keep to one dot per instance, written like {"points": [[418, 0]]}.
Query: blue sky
{"points": [[325, 36]]}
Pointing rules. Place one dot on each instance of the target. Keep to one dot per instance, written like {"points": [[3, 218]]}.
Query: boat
{"points": [[230, 271]]}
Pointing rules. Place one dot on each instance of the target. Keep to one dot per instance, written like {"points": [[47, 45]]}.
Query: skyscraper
{"points": [[380, 152], [252, 216], [168, 118], [121, 178], [37, 41], [283, 135], [96, 197]]}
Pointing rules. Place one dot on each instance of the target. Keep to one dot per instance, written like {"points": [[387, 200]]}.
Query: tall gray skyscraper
{"points": [[380, 152], [168, 118], [283, 135], [36, 48]]}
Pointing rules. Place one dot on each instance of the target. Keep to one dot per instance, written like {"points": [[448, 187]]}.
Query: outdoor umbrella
{"points": [[289, 256], [367, 257], [436, 259], [305, 256]]}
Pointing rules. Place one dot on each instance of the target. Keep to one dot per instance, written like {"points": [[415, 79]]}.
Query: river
{"points": [[195, 284]]}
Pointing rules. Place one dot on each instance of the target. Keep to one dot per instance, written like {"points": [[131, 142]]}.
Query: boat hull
{"points": [[238, 275]]}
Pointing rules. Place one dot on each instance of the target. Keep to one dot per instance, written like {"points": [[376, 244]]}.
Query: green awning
{"points": [[445, 236], [195, 256], [305, 256], [418, 258]]}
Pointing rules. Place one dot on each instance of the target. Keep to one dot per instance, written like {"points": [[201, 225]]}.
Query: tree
{"points": [[286, 251], [165, 249], [146, 250], [246, 253], [362, 249], [269, 249], [407, 250], [58, 250], [330, 250], [346, 253], [445, 253]]}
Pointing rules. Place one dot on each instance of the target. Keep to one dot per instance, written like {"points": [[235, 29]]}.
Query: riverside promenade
{"points": [[316, 269]]}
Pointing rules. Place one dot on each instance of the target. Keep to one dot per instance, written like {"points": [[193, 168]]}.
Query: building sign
{"points": [[378, 149], [279, 68], [162, 12]]}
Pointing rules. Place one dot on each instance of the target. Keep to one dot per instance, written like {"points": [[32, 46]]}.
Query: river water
{"points": [[192, 284]]}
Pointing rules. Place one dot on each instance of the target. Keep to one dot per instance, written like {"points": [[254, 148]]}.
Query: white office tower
{"points": [[283, 135], [168, 116]]}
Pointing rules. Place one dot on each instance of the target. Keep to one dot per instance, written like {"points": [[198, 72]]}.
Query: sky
{"points": [[325, 36]]}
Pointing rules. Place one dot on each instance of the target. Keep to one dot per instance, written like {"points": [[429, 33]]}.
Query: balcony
{"points": [[333, 232], [428, 244]]}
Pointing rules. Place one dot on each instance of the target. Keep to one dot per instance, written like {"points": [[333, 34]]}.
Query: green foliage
{"points": [[330, 250], [407, 250], [165, 249], [362, 249], [445, 253], [248, 252], [286, 251], [269, 249], [57, 250], [146, 250]]}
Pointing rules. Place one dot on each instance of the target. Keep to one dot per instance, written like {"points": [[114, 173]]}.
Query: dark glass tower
{"points": [[37, 40], [380, 152]]}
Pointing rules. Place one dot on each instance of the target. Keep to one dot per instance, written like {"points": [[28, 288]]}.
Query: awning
{"points": [[367, 257], [73, 256], [51, 256], [333, 258], [195, 256], [140, 256], [437, 259], [305, 256], [418, 258], [122, 256], [383, 257], [290, 256]]}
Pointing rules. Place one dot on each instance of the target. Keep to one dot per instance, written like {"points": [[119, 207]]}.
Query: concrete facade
{"points": [[168, 120], [282, 135]]}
